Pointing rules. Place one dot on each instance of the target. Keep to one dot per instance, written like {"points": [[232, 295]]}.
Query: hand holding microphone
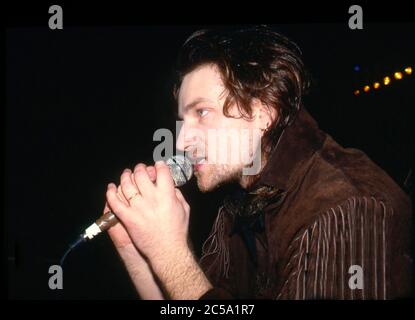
{"points": [[153, 196], [117, 232], [157, 216], [181, 172]]}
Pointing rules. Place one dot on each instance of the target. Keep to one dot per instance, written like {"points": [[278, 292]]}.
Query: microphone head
{"points": [[181, 169]]}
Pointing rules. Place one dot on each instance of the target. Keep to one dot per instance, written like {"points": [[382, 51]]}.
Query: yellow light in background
{"points": [[398, 75]]}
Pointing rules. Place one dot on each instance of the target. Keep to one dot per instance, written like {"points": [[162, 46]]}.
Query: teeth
{"points": [[200, 161]]}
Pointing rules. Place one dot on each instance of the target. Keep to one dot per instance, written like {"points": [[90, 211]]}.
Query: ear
{"points": [[264, 115]]}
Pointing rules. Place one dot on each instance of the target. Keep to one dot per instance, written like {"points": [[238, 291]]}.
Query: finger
{"points": [[182, 200], [129, 189], [106, 208], [120, 194], [142, 180], [115, 204], [164, 179], [119, 236], [151, 171]]}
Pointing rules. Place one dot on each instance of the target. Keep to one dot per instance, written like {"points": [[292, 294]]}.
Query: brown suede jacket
{"points": [[334, 209]]}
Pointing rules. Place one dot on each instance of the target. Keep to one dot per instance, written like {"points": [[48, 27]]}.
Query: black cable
{"points": [[72, 246]]}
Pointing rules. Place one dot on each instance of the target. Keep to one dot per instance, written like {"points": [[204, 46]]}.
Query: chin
{"points": [[206, 186], [209, 180], [204, 182]]}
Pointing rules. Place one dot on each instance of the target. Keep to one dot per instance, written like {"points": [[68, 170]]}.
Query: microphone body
{"points": [[181, 171]]}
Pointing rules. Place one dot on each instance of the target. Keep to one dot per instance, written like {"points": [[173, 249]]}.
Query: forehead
{"points": [[202, 83]]}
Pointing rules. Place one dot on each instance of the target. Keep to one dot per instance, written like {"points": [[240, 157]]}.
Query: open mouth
{"points": [[198, 163]]}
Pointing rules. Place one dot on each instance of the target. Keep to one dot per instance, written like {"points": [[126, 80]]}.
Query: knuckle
{"points": [[139, 167], [139, 174], [108, 194], [124, 184], [163, 166], [125, 173], [150, 170]]}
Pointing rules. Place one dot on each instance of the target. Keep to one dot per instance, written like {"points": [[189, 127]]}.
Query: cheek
{"points": [[230, 140], [251, 143], [255, 139]]}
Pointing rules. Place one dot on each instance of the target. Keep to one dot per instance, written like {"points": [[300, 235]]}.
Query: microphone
{"points": [[181, 171]]}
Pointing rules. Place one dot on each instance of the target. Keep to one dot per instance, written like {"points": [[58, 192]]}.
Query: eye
{"points": [[201, 112]]}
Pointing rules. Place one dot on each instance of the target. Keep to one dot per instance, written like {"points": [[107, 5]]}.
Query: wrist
{"points": [[181, 275], [168, 258], [132, 258]]}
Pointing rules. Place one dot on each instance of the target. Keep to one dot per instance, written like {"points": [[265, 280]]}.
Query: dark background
{"points": [[82, 104]]}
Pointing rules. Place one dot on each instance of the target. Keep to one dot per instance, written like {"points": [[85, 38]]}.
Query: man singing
{"points": [[316, 221]]}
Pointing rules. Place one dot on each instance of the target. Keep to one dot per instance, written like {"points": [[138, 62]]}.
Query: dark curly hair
{"points": [[254, 62]]}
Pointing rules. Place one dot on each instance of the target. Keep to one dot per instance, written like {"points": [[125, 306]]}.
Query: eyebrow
{"points": [[192, 104]]}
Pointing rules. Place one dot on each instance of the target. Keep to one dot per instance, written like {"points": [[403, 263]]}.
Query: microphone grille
{"points": [[181, 169]]}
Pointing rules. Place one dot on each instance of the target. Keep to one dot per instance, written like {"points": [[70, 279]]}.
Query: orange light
{"points": [[408, 70], [376, 85], [356, 92], [398, 75], [366, 88], [386, 81]]}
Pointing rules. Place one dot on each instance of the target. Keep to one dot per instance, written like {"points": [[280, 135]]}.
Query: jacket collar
{"points": [[297, 143]]}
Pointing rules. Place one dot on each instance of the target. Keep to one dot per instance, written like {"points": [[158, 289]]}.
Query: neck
{"points": [[246, 181]]}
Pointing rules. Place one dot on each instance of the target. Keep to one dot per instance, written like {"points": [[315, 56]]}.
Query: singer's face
{"points": [[220, 146]]}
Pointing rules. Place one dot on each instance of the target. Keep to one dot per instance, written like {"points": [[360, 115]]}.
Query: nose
{"points": [[183, 142], [190, 140]]}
